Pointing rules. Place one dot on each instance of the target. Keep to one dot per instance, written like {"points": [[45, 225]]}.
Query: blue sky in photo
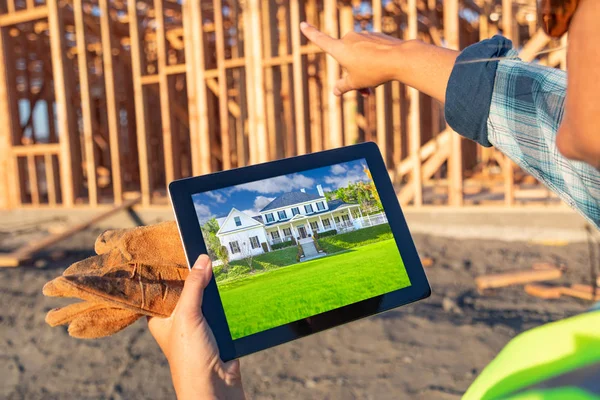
{"points": [[251, 197]]}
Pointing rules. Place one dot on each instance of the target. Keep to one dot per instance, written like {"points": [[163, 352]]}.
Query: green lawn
{"points": [[361, 237], [261, 263], [273, 298]]}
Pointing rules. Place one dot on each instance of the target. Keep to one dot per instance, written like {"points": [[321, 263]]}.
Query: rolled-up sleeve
{"points": [[470, 88]]}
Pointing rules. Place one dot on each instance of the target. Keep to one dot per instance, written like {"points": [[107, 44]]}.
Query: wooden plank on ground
{"points": [[517, 278], [27, 251]]}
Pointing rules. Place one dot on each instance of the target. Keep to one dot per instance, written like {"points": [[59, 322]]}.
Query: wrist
{"points": [[210, 387], [403, 58]]}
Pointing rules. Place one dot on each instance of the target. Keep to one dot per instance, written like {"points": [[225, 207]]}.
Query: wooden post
{"points": [[86, 107], [141, 116], [334, 114], [70, 170], [507, 167], [451, 34], [112, 108], [415, 115], [261, 149], [172, 170], [9, 190], [288, 148], [299, 75], [33, 180], [250, 90], [349, 99], [380, 90], [268, 29], [222, 76], [195, 75]]}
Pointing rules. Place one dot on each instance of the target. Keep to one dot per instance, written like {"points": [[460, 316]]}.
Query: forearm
{"points": [[424, 67]]}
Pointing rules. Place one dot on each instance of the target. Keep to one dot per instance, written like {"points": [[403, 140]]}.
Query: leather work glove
{"points": [[137, 272]]}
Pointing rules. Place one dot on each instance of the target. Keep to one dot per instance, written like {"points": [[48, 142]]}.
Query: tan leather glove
{"points": [[137, 272]]}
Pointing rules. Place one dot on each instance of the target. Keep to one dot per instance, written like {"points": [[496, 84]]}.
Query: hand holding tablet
{"points": [[298, 246]]}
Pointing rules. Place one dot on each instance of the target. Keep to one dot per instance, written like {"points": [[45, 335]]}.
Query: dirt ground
{"points": [[429, 350]]}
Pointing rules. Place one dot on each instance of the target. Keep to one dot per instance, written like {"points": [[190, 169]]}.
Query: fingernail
{"points": [[337, 92], [305, 24], [201, 262]]}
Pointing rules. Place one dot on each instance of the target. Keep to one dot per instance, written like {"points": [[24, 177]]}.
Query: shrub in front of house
{"points": [[300, 253], [283, 245], [317, 245], [330, 232]]}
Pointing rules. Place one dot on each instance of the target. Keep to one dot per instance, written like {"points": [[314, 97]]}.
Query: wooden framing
{"points": [[227, 89]]}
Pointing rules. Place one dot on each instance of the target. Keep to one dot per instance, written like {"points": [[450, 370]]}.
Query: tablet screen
{"points": [[293, 246]]}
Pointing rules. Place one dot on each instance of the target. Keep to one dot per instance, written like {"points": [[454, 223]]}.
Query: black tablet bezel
{"points": [[181, 192]]}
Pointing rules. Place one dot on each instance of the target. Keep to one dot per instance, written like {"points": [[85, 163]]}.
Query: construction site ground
{"points": [[429, 350]]}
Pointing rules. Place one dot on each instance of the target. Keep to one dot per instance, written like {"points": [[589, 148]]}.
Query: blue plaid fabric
{"points": [[524, 114]]}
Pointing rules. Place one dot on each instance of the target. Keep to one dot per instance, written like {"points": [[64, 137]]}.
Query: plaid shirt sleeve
{"points": [[525, 113]]}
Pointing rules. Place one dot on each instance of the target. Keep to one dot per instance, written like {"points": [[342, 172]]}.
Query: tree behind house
{"points": [[213, 244]]}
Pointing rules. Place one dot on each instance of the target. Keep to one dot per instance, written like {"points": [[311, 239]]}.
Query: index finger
{"points": [[324, 41]]}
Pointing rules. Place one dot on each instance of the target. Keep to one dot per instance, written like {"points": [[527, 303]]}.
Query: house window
{"points": [[314, 226], [295, 211], [282, 214], [275, 235], [308, 208], [326, 223], [336, 219], [345, 217], [234, 246], [287, 232], [254, 242], [320, 206], [270, 217], [238, 221]]}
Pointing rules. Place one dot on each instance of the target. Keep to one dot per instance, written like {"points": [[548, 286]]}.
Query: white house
{"points": [[293, 214]]}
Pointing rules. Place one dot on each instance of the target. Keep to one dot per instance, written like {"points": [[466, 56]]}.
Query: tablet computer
{"points": [[298, 246]]}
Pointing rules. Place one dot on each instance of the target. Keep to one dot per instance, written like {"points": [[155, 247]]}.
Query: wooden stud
{"points": [[86, 106], [249, 73], [223, 96], [268, 25], [33, 180], [196, 90], [299, 79], [349, 99], [334, 129], [70, 170], [166, 114], [262, 154], [288, 146], [507, 164], [415, 116], [141, 116], [50, 182], [380, 99], [451, 34]]}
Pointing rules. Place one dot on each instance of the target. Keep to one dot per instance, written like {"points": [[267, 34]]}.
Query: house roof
{"points": [[333, 205], [259, 219], [290, 198], [235, 210]]}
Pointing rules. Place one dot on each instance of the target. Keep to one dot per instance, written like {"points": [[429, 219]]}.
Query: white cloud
{"points": [[354, 175], [338, 169], [218, 197], [203, 212], [259, 203], [285, 183]]}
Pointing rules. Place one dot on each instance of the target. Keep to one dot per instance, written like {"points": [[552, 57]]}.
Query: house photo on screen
{"points": [[296, 245]]}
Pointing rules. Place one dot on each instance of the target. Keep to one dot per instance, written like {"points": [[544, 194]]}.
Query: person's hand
{"points": [[190, 346], [367, 57]]}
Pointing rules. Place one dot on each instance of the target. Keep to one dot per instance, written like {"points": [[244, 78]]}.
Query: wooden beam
{"points": [[516, 278], [434, 145], [23, 16], [141, 117], [50, 182], [166, 114], [269, 23], [33, 180], [534, 46], [451, 34], [232, 107], [86, 104], [223, 96], [70, 170], [414, 118], [334, 114], [429, 167], [249, 73], [36, 149], [299, 79], [27, 251]]}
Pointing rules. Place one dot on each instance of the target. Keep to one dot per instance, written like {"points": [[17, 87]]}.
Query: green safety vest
{"points": [[560, 360]]}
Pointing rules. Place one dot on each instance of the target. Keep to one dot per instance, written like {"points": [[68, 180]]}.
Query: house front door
{"points": [[302, 232]]}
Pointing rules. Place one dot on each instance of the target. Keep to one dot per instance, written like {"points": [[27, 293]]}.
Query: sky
{"points": [[253, 196]]}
